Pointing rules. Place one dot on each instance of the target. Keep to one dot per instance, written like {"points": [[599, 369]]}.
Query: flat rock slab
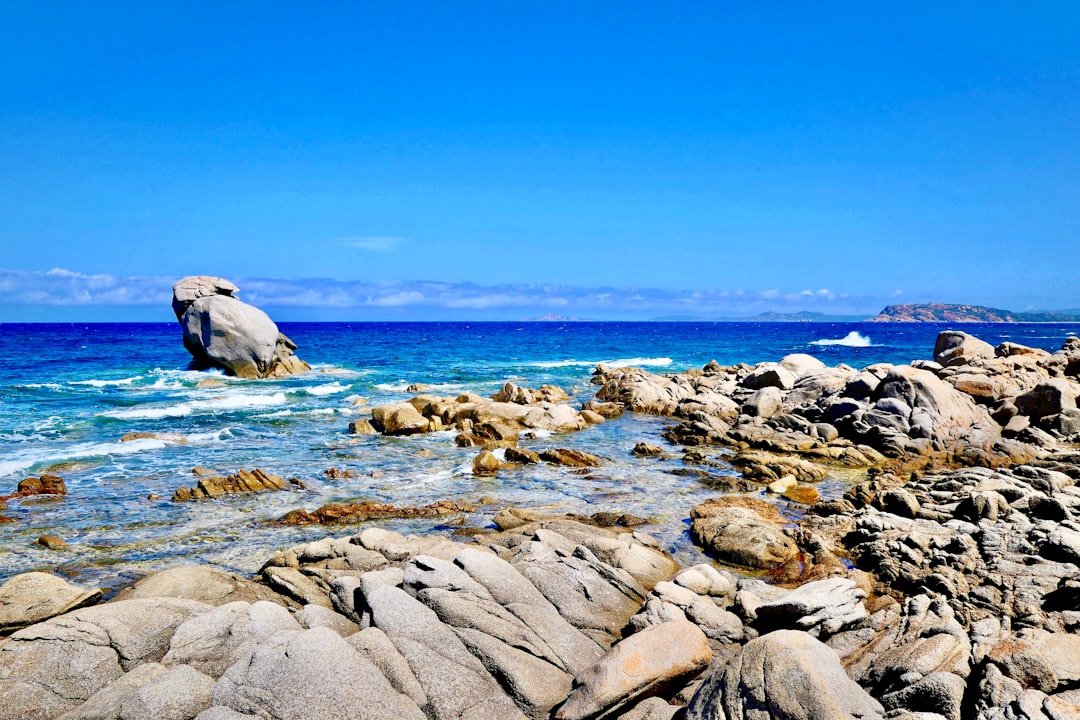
{"points": [[32, 597]]}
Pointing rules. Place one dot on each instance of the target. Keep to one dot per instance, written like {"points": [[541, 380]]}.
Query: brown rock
{"points": [[571, 458], [485, 464], [53, 542], [364, 511], [522, 455], [805, 494], [744, 531], [241, 482], [362, 427]]}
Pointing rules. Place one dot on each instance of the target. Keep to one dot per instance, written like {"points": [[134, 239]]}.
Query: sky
{"points": [[499, 160]]}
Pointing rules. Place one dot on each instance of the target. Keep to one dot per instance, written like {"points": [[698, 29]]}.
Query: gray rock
{"points": [[313, 616], [219, 712], [579, 589], [801, 364], [534, 684], [311, 675], [785, 674], [643, 664], [214, 641], [53, 666], [456, 683], [769, 375], [374, 644], [222, 331], [820, 607], [511, 589], [941, 693], [197, 582], [765, 403], [1050, 397], [32, 597], [149, 692], [294, 584]]}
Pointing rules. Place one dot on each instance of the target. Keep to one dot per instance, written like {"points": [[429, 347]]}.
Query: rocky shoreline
{"points": [[944, 584]]}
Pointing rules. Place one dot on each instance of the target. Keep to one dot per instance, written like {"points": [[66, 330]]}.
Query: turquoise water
{"points": [[69, 392]]}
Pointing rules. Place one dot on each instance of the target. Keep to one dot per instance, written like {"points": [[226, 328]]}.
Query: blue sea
{"points": [[68, 392]]}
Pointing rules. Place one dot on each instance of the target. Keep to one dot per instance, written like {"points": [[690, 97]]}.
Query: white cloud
{"points": [[417, 300], [376, 244]]}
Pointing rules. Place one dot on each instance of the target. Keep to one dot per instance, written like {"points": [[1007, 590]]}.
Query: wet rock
{"points": [[790, 674], [641, 665], [44, 485], [523, 456], [644, 449], [485, 465], [32, 597], [398, 419], [244, 481], [353, 513], [362, 426], [52, 542], [221, 331], [570, 458]]}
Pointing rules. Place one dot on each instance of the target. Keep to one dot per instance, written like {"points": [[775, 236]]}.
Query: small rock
{"points": [[53, 542]]}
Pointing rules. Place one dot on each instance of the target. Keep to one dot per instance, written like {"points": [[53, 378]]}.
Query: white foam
{"points": [[221, 403], [613, 364], [852, 339], [42, 386], [9, 466], [105, 383], [329, 389], [398, 387]]}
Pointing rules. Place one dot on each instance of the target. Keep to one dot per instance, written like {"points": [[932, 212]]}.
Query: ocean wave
{"points": [[398, 387], [42, 386], [852, 339], [105, 383], [319, 390], [223, 403], [613, 364], [81, 451]]}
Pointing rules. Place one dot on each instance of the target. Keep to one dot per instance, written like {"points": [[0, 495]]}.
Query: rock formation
{"points": [[222, 331]]}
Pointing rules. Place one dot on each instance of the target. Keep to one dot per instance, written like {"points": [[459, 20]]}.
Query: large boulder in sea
{"points": [[222, 331]]}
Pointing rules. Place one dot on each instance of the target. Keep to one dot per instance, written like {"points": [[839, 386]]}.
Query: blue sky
{"points": [[505, 160]]}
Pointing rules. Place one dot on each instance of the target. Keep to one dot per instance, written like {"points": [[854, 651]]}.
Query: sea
{"points": [[70, 392]]}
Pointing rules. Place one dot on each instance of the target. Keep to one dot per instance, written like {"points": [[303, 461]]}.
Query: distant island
{"points": [[946, 313], [913, 313]]}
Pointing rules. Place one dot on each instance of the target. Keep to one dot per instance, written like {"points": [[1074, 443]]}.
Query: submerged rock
{"points": [[222, 331], [244, 481], [364, 511]]}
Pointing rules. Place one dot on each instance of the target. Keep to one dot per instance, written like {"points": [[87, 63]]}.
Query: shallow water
{"points": [[69, 392]]}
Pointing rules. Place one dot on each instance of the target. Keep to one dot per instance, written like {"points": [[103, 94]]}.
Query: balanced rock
{"points": [[222, 331]]}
